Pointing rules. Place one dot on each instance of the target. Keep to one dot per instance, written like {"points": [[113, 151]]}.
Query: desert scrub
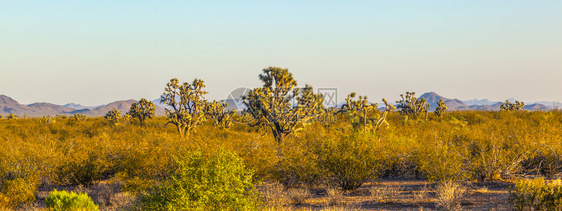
{"points": [[215, 181], [352, 160], [537, 194], [63, 201], [17, 192], [440, 161]]}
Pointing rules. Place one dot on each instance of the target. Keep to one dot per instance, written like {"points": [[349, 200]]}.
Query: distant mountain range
{"points": [[477, 105], [11, 106]]}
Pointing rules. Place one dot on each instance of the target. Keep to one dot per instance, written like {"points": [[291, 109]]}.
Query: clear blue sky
{"points": [[96, 52]]}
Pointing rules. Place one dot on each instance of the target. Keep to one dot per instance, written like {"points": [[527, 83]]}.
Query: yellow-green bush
{"points": [[217, 181], [537, 194], [70, 201]]}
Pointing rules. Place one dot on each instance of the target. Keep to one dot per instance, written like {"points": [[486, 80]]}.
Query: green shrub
{"points": [[537, 194], [217, 181], [63, 200]]}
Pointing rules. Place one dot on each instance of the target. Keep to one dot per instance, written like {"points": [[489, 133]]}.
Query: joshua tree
{"points": [[441, 108], [507, 106], [359, 108], [284, 108], [412, 106], [142, 110], [48, 119], [187, 103], [113, 116], [79, 117], [382, 118], [11, 116], [221, 115]]}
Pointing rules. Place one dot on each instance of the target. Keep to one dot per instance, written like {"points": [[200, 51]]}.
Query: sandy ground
{"points": [[386, 194], [408, 195]]}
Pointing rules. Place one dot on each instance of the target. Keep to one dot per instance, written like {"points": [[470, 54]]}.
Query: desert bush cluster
{"points": [[191, 159]]}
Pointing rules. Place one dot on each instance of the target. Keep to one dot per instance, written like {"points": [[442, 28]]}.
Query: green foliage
{"points": [[113, 116], [188, 112], [284, 108], [69, 201], [537, 194], [142, 110], [508, 106], [412, 106], [218, 181], [441, 108], [219, 112]]}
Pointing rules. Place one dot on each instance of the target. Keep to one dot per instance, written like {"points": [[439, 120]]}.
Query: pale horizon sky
{"points": [[97, 52]]}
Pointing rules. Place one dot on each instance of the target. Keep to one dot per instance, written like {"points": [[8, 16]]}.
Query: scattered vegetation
{"points": [[287, 144]]}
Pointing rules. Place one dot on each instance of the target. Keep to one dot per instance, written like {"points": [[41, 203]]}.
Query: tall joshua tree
{"points": [[187, 104], [280, 105], [142, 110]]}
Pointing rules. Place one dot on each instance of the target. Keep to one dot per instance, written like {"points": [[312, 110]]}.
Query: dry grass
{"points": [[422, 194], [299, 195], [449, 194], [274, 195], [384, 193], [335, 197]]}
